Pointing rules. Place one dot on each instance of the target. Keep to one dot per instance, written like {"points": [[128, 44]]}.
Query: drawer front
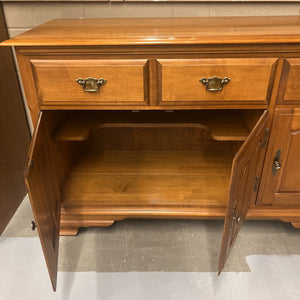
{"points": [[249, 80], [126, 82], [289, 92]]}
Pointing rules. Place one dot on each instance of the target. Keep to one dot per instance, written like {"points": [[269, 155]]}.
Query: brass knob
{"points": [[91, 84], [214, 84], [277, 165]]}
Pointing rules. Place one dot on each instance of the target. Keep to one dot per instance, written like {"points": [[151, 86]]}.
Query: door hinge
{"points": [[266, 138], [255, 186], [234, 217], [28, 167], [33, 225]]}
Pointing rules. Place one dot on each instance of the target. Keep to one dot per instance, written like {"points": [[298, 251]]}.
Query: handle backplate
{"points": [[91, 84], [214, 84], [276, 163]]}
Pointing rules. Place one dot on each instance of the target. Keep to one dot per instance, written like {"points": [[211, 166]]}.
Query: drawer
{"points": [[126, 81], [250, 80], [289, 92]]}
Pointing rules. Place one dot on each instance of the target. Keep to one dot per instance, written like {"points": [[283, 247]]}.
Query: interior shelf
{"points": [[223, 125], [149, 179], [151, 160]]}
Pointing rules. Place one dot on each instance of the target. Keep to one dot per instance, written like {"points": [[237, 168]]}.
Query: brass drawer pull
{"points": [[91, 84], [214, 84]]}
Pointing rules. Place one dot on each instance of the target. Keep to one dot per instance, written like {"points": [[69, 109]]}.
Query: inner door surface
{"points": [[246, 170], [42, 182]]}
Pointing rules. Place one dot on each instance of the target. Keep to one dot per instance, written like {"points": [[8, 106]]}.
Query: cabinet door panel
{"points": [[282, 188], [291, 175], [42, 183], [289, 93], [246, 167]]}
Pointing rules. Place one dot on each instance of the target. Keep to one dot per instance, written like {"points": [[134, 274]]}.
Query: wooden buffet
{"points": [[161, 118]]}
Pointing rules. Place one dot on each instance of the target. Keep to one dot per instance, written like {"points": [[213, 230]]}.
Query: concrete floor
{"points": [[153, 259]]}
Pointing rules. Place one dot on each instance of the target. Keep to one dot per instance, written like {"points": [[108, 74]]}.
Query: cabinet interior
{"points": [[147, 159]]}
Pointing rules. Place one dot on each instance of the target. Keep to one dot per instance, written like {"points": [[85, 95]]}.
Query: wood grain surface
{"points": [[283, 188], [291, 81], [42, 181], [145, 179], [247, 165], [222, 125], [172, 151], [127, 81], [135, 31], [249, 79]]}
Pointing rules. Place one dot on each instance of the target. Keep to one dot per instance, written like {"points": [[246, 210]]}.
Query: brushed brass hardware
{"points": [[33, 225], [276, 163], [214, 84], [91, 84]]}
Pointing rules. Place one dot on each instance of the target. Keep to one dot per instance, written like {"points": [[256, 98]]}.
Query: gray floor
{"points": [[146, 259]]}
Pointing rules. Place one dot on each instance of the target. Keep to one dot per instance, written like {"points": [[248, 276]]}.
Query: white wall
{"points": [[21, 16]]}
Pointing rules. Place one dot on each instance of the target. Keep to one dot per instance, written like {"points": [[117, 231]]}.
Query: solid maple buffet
{"points": [[161, 118]]}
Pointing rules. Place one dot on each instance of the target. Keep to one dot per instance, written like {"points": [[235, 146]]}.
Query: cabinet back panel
{"points": [[157, 139]]}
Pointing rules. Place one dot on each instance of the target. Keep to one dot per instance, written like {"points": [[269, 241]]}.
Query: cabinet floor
{"points": [[149, 179]]}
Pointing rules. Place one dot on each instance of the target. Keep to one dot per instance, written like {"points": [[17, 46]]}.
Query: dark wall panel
{"points": [[14, 134]]}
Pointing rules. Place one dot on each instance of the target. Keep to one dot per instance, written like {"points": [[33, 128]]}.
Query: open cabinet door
{"points": [[246, 169], [42, 183]]}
